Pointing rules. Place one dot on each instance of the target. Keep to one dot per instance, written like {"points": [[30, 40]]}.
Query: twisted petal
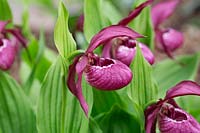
{"points": [[182, 89], [151, 118], [109, 33], [134, 13], [17, 33], [162, 11], [126, 54], [109, 75], [175, 120], [7, 54], [75, 87]]}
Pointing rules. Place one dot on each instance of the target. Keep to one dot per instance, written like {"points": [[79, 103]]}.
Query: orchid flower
{"points": [[8, 46], [101, 73], [171, 118], [167, 39], [124, 48]]}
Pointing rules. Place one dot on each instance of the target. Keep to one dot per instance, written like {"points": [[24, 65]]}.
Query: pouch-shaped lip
{"points": [[109, 74], [172, 120], [7, 54]]}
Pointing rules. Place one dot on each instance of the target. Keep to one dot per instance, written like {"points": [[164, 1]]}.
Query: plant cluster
{"points": [[109, 82]]}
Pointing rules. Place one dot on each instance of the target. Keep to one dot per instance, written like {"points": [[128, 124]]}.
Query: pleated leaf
{"points": [[93, 22], [117, 120], [104, 103], [94, 127], [111, 12], [5, 12], [169, 72], [16, 114], [142, 88], [62, 37], [143, 25], [58, 110]]}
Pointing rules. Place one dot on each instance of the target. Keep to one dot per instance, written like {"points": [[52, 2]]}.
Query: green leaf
{"points": [[58, 110], [143, 25], [5, 12], [142, 88], [41, 59], [92, 18], [94, 127], [16, 112], [104, 102], [111, 12], [169, 72], [117, 120], [62, 36]]}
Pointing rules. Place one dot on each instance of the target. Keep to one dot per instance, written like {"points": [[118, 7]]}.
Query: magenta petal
{"points": [[175, 120], [74, 87], [172, 39], [18, 35], [126, 54], [183, 88], [161, 44], [7, 54], [134, 13], [3, 25], [151, 118], [106, 49], [109, 33], [108, 75], [79, 25], [161, 11], [148, 55]]}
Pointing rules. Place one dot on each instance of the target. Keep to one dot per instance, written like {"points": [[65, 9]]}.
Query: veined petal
{"points": [[75, 87], [151, 118], [109, 33], [126, 54], [7, 54], [182, 89], [161, 11], [175, 120], [109, 74], [134, 13]]}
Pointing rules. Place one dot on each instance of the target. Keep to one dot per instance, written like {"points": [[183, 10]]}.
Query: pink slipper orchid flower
{"points": [[166, 39], [101, 73], [170, 117], [9, 46]]}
